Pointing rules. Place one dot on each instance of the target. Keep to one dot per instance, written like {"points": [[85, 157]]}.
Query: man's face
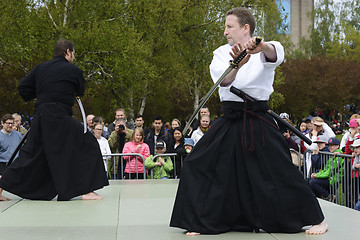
{"points": [[233, 31], [317, 127], [157, 124], [8, 125], [120, 115], [70, 55], [205, 122], [17, 121], [139, 122], [204, 111], [89, 121]]}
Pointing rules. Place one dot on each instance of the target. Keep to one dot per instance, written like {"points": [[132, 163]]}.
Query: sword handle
{"points": [[234, 63]]}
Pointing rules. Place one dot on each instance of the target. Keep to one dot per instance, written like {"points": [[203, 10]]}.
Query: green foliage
{"points": [[129, 50]]}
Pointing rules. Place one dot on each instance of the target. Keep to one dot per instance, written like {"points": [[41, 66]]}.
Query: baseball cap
{"points": [[334, 141], [321, 139], [355, 144], [160, 144], [353, 123]]}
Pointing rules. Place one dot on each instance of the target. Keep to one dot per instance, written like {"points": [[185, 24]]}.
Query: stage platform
{"points": [[135, 209]]}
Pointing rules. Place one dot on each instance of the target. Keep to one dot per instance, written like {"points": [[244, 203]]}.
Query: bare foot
{"points": [[2, 198], [318, 229], [91, 196], [192, 234]]}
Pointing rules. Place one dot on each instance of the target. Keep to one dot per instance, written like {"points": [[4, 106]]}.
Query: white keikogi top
{"points": [[255, 78]]}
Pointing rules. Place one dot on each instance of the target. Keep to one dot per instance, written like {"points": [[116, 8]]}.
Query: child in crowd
{"points": [[188, 144], [134, 167], [331, 174], [303, 128], [317, 162], [355, 147], [163, 166], [354, 130]]}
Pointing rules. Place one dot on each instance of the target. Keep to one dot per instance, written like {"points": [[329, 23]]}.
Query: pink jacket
{"points": [[139, 148]]}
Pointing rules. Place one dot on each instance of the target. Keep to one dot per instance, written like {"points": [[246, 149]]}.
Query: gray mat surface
{"points": [[135, 209]]}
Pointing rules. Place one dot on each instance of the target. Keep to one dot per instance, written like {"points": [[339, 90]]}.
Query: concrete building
{"points": [[300, 19]]}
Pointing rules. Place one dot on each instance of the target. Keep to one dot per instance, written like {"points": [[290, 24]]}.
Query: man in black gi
{"points": [[57, 159]]}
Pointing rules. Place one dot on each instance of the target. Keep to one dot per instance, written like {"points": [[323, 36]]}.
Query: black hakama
{"points": [[57, 159], [239, 177]]}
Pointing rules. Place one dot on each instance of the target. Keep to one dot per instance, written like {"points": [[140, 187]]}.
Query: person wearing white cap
{"points": [[319, 127], [316, 161]]}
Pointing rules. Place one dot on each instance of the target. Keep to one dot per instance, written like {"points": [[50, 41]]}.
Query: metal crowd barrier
{"points": [[116, 165], [344, 189], [163, 155]]}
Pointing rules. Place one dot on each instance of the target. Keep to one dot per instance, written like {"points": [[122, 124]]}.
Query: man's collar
{"points": [[5, 132]]}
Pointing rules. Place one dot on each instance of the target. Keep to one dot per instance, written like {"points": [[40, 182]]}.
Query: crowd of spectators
{"points": [[325, 170], [153, 143]]}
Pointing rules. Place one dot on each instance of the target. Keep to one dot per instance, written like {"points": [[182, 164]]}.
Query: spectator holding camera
{"points": [[117, 140], [120, 114]]}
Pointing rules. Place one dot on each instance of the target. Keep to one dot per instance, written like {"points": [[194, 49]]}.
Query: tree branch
{"points": [[65, 13], [2, 61], [101, 69], [51, 18]]}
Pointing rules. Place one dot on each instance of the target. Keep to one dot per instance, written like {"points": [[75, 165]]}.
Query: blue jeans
{"points": [[357, 205], [320, 187]]}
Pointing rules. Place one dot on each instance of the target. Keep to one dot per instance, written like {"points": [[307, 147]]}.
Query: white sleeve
{"points": [[344, 139], [279, 55], [219, 63], [313, 145], [329, 132]]}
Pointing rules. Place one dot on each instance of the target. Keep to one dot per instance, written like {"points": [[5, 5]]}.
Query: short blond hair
{"points": [[355, 116], [317, 119]]}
